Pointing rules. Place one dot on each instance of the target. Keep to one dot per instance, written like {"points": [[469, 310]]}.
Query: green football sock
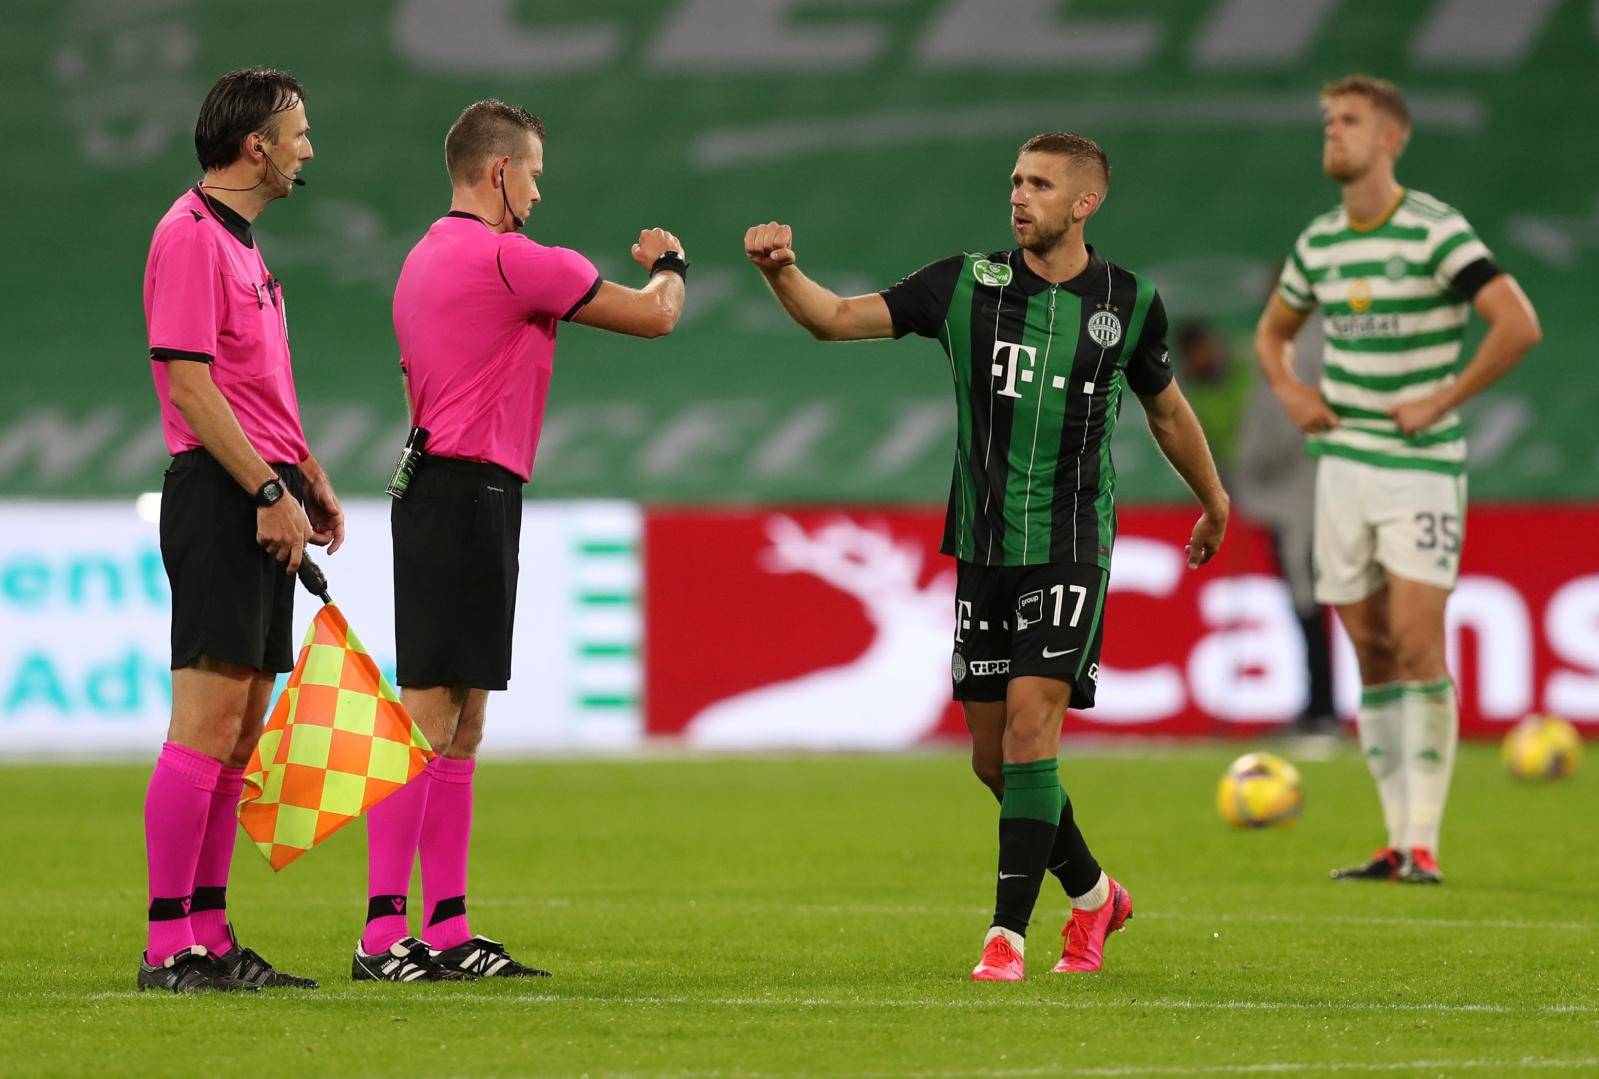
{"points": [[1029, 815]]}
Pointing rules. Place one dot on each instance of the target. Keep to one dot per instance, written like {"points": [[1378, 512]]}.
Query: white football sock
{"points": [[1432, 731], [1017, 941], [1381, 724], [1095, 897]]}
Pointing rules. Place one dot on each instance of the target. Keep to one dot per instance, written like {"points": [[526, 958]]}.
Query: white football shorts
{"points": [[1373, 522]]}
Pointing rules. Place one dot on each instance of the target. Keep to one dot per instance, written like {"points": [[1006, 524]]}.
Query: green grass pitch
{"points": [[818, 916]]}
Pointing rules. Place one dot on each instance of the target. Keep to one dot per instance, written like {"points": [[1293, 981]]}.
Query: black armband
{"points": [[1471, 278], [672, 262]]}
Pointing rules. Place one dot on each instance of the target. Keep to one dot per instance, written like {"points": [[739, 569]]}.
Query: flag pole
{"points": [[315, 581]]}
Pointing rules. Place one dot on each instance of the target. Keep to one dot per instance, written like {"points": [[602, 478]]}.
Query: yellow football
{"points": [[1259, 790], [1541, 747]]}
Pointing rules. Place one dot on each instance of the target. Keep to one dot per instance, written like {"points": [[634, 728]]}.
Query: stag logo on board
{"points": [[1105, 328], [898, 675]]}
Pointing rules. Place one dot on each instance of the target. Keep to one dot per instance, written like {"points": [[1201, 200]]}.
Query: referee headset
{"points": [[505, 199], [260, 148]]}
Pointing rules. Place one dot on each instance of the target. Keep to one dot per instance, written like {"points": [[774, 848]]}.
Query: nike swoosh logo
{"points": [[1011, 876], [1053, 655]]}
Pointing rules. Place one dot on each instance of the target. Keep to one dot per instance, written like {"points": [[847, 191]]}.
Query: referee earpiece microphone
{"points": [[295, 180], [505, 197]]}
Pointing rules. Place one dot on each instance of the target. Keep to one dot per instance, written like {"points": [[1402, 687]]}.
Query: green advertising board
{"points": [[883, 131]]}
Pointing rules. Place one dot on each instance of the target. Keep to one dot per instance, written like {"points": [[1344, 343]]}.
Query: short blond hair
{"points": [[1383, 95], [1080, 150], [486, 130]]}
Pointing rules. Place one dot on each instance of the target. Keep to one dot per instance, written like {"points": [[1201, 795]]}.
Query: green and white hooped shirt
{"points": [[1395, 299]]}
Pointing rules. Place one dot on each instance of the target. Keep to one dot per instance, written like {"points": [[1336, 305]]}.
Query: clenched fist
{"points": [[770, 246], [653, 243], [1306, 408]]}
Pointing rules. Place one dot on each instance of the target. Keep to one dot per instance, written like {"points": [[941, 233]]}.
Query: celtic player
{"points": [[1042, 340], [1396, 274]]}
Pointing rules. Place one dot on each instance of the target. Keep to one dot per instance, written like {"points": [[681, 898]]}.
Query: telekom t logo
{"points": [[1006, 368]]}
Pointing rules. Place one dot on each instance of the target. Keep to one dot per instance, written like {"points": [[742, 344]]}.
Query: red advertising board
{"points": [[832, 628]]}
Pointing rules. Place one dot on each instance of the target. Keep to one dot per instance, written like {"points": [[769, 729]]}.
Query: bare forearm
{"points": [[312, 470], [1275, 354], [1274, 350], [807, 303], [651, 311], [1274, 347], [1182, 441], [210, 417], [670, 292], [1502, 347]]}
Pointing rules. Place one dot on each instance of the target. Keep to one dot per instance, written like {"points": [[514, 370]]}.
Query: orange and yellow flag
{"points": [[337, 743]]}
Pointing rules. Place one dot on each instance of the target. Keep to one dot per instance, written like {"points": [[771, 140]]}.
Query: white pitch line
{"points": [[1273, 1068], [1186, 916], [929, 1004], [1285, 1067], [1341, 919]]}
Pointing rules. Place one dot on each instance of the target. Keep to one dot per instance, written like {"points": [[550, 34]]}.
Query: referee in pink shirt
{"points": [[476, 312], [240, 501]]}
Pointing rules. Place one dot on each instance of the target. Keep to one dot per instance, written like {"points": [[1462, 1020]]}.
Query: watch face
{"points": [[271, 491]]}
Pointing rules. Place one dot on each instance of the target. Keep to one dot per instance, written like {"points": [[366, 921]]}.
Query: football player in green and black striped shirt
{"points": [[1042, 341], [1396, 274]]}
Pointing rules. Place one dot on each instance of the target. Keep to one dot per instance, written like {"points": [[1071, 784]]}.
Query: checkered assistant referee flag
{"points": [[338, 741]]}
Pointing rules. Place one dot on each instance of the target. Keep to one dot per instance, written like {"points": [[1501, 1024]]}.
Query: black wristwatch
{"points": [[672, 262], [270, 492]]}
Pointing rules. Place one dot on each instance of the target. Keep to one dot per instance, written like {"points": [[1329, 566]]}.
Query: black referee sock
{"points": [[1029, 815], [1070, 859]]}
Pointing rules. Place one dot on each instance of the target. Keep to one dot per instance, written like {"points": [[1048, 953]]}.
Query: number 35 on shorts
{"points": [[1437, 532]]}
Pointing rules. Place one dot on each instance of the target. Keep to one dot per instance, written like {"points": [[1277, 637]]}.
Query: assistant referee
{"points": [[476, 312], [233, 527]]}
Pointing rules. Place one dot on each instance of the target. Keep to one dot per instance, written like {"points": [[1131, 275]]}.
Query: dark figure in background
{"points": [[1217, 387], [1261, 456]]}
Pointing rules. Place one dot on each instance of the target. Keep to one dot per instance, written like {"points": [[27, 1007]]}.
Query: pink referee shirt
{"points": [[475, 313], [208, 297]]}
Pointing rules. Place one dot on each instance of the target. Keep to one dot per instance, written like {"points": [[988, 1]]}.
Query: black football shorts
{"points": [[456, 535], [1011, 621], [231, 600]]}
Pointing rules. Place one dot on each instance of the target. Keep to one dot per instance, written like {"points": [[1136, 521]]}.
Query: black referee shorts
{"points": [[456, 534], [1013, 621], [231, 600]]}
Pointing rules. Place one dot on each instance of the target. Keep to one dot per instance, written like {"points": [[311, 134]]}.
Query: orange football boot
{"points": [[1086, 930], [1000, 962]]}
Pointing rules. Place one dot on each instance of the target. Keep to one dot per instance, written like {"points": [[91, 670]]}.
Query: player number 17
{"points": [[1059, 592]]}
